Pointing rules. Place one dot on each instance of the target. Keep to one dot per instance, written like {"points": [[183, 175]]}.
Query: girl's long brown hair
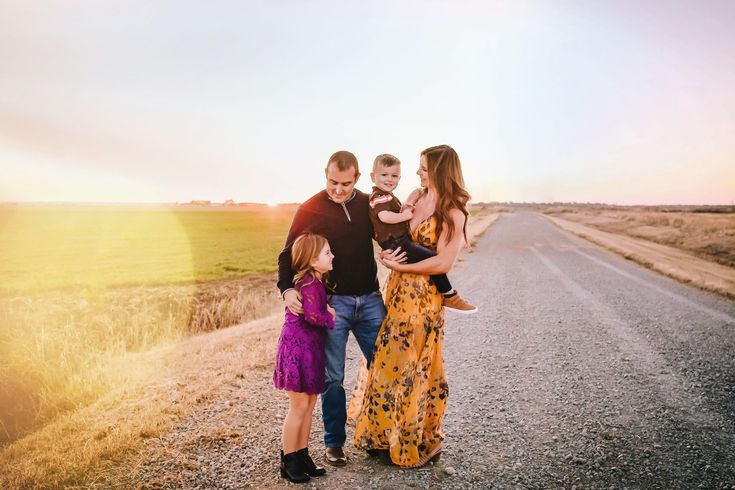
{"points": [[304, 251], [445, 175]]}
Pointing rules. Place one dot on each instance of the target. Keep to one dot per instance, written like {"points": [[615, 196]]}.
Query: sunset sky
{"points": [[615, 101]]}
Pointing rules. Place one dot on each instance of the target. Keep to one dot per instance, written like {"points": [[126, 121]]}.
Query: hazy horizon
{"points": [[615, 102], [274, 204]]}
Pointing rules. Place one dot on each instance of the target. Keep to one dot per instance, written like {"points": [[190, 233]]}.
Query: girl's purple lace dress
{"points": [[300, 356]]}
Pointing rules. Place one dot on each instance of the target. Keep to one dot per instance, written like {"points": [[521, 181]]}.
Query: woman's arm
{"points": [[446, 252]]}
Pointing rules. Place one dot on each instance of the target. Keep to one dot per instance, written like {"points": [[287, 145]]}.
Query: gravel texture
{"points": [[581, 370]]}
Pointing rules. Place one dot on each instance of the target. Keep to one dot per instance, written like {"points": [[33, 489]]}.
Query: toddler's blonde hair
{"points": [[385, 160]]}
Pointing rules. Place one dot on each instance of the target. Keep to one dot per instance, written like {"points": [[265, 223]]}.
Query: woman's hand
{"points": [[392, 264], [397, 255]]}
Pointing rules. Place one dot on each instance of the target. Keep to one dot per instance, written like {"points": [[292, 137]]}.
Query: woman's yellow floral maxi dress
{"points": [[406, 388]]}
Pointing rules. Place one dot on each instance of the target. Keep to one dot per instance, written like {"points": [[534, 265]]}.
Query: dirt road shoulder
{"points": [[669, 261]]}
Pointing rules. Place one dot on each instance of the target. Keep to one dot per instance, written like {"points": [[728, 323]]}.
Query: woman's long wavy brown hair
{"points": [[445, 175]]}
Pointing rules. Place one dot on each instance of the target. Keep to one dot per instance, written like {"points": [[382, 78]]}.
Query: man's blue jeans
{"points": [[363, 315]]}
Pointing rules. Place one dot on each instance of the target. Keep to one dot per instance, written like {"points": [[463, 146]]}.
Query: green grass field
{"points": [[50, 248]]}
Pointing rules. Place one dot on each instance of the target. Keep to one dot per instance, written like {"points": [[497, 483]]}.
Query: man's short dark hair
{"points": [[344, 161]]}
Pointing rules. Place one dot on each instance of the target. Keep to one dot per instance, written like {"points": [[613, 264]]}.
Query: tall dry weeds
{"points": [[710, 235], [60, 351]]}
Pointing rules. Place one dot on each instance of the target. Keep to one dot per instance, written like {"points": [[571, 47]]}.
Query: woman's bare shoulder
{"points": [[457, 215]]}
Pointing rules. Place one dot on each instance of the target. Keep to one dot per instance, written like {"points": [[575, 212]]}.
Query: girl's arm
{"points": [[314, 299], [446, 252]]}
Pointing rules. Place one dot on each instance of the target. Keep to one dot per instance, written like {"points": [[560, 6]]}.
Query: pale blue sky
{"points": [[622, 102]]}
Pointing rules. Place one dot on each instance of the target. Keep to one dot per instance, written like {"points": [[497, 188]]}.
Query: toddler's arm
{"points": [[406, 210], [391, 218]]}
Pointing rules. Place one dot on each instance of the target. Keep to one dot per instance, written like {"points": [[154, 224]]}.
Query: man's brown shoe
{"points": [[459, 305], [335, 456]]}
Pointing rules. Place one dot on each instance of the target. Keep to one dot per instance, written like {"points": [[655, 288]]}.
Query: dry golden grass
{"points": [[84, 286], [707, 235], [60, 351], [164, 385]]}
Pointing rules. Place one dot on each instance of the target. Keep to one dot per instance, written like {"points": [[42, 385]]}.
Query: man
{"points": [[340, 214]]}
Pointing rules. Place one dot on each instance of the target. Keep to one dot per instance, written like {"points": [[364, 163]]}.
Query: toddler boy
{"points": [[390, 223]]}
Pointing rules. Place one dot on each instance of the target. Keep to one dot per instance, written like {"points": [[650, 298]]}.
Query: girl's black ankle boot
{"points": [[308, 463], [292, 468]]}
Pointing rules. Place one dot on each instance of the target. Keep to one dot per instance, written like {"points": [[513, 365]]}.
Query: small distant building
{"points": [[200, 202], [230, 202]]}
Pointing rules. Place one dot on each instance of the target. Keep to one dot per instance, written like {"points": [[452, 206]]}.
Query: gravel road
{"points": [[580, 370]]}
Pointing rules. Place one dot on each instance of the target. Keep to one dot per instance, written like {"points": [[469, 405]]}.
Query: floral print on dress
{"points": [[406, 387]]}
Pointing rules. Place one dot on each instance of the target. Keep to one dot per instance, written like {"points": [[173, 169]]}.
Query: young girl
{"points": [[300, 357]]}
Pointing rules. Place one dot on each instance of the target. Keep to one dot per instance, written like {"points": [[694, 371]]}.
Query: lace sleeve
{"points": [[314, 299]]}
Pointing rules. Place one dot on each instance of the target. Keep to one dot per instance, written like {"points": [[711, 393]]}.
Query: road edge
{"points": [[668, 261]]}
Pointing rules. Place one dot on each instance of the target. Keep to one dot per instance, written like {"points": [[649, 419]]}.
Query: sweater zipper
{"points": [[347, 213]]}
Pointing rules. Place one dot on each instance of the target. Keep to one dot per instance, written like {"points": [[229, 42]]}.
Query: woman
{"points": [[406, 388]]}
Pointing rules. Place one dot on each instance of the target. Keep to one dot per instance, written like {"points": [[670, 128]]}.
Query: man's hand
{"points": [[292, 298], [396, 255], [332, 311]]}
